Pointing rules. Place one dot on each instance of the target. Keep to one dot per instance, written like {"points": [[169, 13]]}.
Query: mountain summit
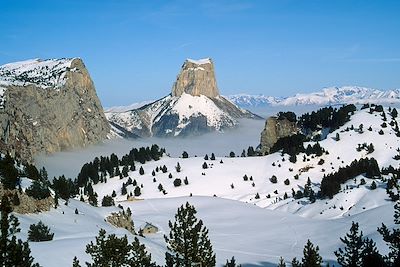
{"points": [[197, 77], [47, 106], [193, 107]]}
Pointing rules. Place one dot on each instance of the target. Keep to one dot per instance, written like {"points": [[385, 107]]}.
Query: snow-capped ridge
{"points": [[327, 96], [42, 73], [200, 61]]}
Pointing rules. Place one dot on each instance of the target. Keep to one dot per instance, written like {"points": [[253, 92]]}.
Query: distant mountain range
{"points": [[327, 96]]}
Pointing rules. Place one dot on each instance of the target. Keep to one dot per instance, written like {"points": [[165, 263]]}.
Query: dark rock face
{"points": [[274, 129], [49, 106]]}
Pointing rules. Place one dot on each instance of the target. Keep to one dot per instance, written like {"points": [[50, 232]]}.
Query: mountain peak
{"points": [[197, 77]]}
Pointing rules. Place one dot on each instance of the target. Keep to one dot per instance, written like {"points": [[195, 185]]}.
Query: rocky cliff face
{"points": [[194, 107], [274, 129], [48, 106], [197, 77]]}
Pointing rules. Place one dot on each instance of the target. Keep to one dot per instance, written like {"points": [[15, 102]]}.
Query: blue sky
{"points": [[134, 49]]}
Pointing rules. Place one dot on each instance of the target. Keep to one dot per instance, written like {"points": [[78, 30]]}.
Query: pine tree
{"points": [[124, 191], [188, 239], [373, 185], [108, 250], [295, 262], [139, 255], [281, 262], [351, 256], [39, 232], [185, 155], [137, 191], [231, 263], [212, 156], [75, 262], [141, 170], [371, 256], [311, 257], [178, 167], [9, 174], [107, 201], [114, 251], [392, 237], [13, 252]]}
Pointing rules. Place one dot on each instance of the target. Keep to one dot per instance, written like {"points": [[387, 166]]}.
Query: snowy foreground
{"points": [[255, 236], [257, 231]]}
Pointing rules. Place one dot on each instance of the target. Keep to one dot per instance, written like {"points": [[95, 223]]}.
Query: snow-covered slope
{"points": [[219, 177], [177, 116], [43, 73], [327, 96], [255, 236]]}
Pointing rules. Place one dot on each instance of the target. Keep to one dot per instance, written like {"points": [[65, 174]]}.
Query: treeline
{"points": [[99, 168], [327, 117], [330, 184]]}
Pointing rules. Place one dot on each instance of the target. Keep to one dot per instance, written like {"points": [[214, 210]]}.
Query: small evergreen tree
{"points": [[178, 167], [212, 156], [75, 262], [39, 232], [188, 239], [232, 263], [177, 182], [185, 155], [124, 191], [281, 262], [296, 263], [137, 191], [311, 257], [107, 201], [205, 166], [141, 170]]}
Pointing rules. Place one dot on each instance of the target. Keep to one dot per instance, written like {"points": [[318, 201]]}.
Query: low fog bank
{"points": [[246, 134], [69, 163]]}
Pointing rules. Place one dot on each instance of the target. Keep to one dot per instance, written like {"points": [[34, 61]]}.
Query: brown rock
{"points": [[196, 78]]}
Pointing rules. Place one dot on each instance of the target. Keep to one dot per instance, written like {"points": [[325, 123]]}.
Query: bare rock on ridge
{"points": [[197, 77]]}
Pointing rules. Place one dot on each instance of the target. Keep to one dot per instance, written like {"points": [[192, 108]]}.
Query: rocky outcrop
{"points": [[26, 203], [197, 77], [48, 106], [194, 107], [274, 129], [122, 220]]}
